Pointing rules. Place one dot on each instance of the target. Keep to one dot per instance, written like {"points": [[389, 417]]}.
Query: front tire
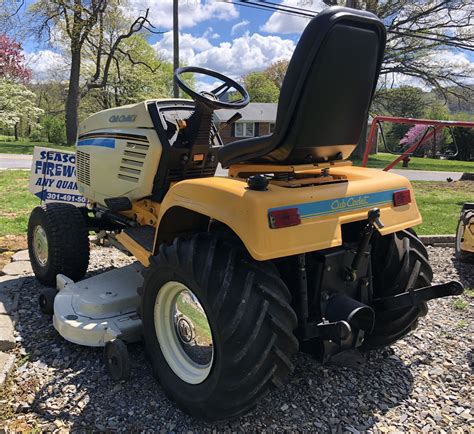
{"points": [[250, 343], [399, 262], [58, 242]]}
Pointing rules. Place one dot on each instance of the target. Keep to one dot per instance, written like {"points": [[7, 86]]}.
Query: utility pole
{"points": [[175, 47]]}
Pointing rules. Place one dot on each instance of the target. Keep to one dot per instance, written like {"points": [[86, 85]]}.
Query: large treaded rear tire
{"points": [[249, 313], [399, 262], [68, 242]]}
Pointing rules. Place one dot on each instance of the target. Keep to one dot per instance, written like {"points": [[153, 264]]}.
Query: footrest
{"points": [[414, 297]]}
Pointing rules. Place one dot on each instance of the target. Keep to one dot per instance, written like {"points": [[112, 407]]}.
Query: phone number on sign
{"points": [[66, 197]]}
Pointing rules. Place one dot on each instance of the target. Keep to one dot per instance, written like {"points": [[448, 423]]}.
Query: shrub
{"points": [[54, 129]]}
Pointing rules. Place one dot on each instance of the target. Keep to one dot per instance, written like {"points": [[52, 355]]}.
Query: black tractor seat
{"points": [[326, 93]]}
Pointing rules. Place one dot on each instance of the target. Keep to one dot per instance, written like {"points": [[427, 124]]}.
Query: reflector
{"points": [[284, 217], [401, 197]]}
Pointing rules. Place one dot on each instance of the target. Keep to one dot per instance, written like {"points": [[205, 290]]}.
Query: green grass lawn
{"points": [[381, 160], [16, 202], [9, 146], [439, 203]]}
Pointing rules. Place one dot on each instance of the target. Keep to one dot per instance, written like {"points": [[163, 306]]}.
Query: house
{"points": [[258, 119]]}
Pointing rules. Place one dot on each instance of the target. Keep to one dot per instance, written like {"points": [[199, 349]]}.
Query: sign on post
{"points": [[53, 176]]}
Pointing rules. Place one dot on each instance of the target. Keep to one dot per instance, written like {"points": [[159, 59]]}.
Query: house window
{"points": [[271, 127], [244, 129]]}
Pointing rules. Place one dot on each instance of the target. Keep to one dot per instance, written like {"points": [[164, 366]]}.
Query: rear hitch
{"points": [[373, 217], [417, 297], [327, 331]]}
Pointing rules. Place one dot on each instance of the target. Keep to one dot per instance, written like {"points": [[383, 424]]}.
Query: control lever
{"points": [[234, 118], [366, 234]]}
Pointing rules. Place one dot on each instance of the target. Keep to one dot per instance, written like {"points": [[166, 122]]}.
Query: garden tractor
{"points": [[293, 248], [465, 234]]}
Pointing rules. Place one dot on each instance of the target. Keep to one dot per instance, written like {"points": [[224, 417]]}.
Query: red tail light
{"points": [[283, 218], [401, 197]]}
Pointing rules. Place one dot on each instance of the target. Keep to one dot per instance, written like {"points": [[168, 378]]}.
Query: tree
{"points": [[83, 23], [16, 104], [464, 139], [403, 101], [261, 88], [276, 72], [12, 61], [146, 76]]}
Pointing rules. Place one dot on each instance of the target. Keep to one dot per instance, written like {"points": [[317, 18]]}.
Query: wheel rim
{"points": [[459, 235], [40, 245], [183, 332]]}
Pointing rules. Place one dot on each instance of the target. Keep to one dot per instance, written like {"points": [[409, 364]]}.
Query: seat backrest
{"points": [[327, 89]]}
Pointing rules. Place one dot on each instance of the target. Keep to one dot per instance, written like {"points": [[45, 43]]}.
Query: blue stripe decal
{"points": [[343, 204], [104, 143]]}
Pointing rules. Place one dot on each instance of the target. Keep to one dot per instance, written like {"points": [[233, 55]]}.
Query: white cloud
{"points": [[285, 23], [238, 26], [210, 34], [47, 65], [191, 12], [235, 58]]}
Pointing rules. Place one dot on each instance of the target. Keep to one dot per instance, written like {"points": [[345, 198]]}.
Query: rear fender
{"points": [[245, 212]]}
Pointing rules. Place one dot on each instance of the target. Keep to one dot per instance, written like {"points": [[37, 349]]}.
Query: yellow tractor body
{"points": [[323, 208]]}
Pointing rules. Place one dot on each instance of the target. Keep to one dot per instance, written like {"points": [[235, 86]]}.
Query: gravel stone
{"points": [[7, 338], [423, 383], [17, 268], [21, 255], [6, 365]]}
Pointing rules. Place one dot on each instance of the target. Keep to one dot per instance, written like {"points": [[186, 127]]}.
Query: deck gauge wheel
{"points": [[117, 360], [46, 300]]}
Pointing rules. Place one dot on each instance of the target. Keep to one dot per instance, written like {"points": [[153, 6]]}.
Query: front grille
{"points": [[83, 169], [132, 161]]}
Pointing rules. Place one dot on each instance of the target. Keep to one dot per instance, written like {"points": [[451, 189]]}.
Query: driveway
{"points": [[14, 161], [428, 175]]}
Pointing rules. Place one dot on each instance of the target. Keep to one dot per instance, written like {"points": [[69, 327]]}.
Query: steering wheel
{"points": [[213, 99]]}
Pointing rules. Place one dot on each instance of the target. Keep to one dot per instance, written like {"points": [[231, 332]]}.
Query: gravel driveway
{"points": [[423, 383]]}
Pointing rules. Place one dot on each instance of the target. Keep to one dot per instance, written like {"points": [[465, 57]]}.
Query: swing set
{"points": [[433, 127]]}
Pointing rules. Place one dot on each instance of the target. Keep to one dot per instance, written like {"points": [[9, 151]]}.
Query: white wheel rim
{"points": [[40, 245], [185, 340]]}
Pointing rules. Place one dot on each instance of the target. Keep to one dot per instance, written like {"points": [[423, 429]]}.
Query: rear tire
{"points": [[58, 242], [247, 307], [399, 262]]}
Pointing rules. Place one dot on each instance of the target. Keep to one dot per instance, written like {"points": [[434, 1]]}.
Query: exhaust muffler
{"points": [[340, 307]]}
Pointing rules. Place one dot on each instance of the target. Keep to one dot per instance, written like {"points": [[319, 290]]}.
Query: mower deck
{"points": [[99, 309]]}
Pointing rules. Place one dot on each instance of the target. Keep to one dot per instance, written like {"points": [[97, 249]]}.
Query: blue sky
{"points": [[221, 36]]}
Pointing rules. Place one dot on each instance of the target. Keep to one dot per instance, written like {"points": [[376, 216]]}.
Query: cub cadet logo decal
{"points": [[341, 204], [122, 118], [352, 202]]}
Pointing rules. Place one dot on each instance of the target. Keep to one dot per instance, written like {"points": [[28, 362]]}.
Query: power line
{"points": [[307, 13]]}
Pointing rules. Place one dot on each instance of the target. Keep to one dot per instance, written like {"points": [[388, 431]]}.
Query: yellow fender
{"points": [[323, 209]]}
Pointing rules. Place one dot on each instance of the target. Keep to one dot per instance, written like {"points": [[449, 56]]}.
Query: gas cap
{"points": [[257, 182]]}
